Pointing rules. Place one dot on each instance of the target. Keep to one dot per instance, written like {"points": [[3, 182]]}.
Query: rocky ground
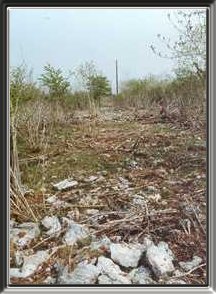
{"points": [[123, 202]]}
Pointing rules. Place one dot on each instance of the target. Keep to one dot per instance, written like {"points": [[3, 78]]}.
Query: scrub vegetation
{"points": [[139, 157]]}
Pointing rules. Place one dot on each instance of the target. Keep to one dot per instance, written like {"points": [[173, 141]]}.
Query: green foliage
{"points": [[93, 83], [54, 80], [184, 91], [98, 87], [22, 88], [143, 92], [77, 100]]}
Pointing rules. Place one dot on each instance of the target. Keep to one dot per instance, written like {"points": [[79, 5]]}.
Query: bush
{"points": [[58, 86], [186, 93]]}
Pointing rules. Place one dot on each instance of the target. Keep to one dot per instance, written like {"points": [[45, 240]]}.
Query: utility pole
{"points": [[116, 63]]}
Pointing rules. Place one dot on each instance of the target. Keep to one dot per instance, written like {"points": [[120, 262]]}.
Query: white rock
{"points": [[64, 185], [66, 221], [83, 274], [24, 234], [91, 179], [107, 267], [132, 163], [49, 281], [103, 279], [175, 282], [19, 258], [30, 265], [52, 199], [187, 266], [60, 204], [160, 258], [138, 200], [123, 184], [100, 179], [126, 255], [147, 242], [177, 273], [15, 273], [141, 275], [13, 223], [155, 197], [105, 243], [75, 233], [52, 223]]}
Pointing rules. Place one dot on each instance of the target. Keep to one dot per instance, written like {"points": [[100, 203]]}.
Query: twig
{"points": [[147, 214], [190, 271], [48, 238]]}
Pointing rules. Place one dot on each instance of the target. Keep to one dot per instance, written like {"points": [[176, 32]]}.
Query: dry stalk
{"points": [[190, 271], [48, 238], [19, 203]]}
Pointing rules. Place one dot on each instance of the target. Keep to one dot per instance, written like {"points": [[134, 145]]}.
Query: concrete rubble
{"points": [[23, 234], [112, 271], [112, 262], [83, 274], [141, 276], [30, 265], [126, 255], [53, 224], [160, 259], [187, 266], [65, 185], [75, 232]]}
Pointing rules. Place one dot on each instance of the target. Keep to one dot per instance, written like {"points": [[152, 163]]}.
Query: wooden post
{"points": [[116, 77]]}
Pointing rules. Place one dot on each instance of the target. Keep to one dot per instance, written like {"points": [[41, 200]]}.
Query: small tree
{"points": [[54, 80], [189, 50], [98, 87], [22, 86], [95, 84]]}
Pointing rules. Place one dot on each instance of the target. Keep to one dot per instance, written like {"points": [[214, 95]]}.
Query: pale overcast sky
{"points": [[67, 37]]}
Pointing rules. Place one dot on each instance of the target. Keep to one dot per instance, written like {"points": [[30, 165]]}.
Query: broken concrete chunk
{"points": [[138, 200], [15, 273], [107, 267], [101, 244], [83, 274], [60, 204], [126, 255], [160, 259], [19, 258], [104, 279], [91, 179], [13, 223], [187, 266], [30, 265], [123, 184], [49, 281], [75, 233], [65, 185], [24, 234], [147, 242], [52, 199], [52, 223], [176, 282], [154, 197], [141, 276]]}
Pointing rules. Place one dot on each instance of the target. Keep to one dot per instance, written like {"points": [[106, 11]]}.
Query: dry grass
{"points": [[170, 157]]}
